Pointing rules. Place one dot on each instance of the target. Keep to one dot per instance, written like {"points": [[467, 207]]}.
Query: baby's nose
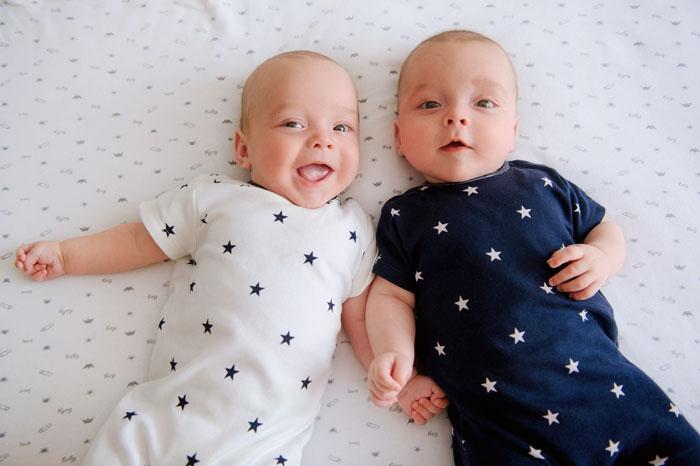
{"points": [[456, 121], [323, 145]]}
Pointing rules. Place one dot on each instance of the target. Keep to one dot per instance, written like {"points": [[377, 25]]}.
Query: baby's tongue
{"points": [[313, 172]]}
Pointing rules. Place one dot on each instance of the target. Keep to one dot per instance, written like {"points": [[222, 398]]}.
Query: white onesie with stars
{"points": [[245, 342]]}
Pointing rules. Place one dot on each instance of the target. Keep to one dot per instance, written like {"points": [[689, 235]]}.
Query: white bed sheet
{"points": [[105, 104]]}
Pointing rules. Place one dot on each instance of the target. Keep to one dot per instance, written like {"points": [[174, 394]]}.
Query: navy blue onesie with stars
{"points": [[533, 376]]}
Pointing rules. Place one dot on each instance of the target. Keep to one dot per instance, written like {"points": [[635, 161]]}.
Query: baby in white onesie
{"points": [[263, 270]]}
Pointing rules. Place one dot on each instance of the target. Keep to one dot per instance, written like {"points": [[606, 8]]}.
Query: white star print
{"points": [[658, 461], [524, 212], [674, 409], [551, 417], [440, 227], [547, 182], [395, 212], [422, 188], [535, 453], [470, 190], [419, 276], [617, 390], [517, 336], [489, 386], [462, 304], [546, 288], [494, 255], [578, 208], [584, 315], [613, 447], [440, 349], [572, 366]]}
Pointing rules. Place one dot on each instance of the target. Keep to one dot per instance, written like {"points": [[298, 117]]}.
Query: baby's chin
{"points": [[308, 199]]}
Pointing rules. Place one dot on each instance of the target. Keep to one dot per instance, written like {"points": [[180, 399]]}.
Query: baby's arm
{"points": [[422, 398], [124, 247], [591, 263], [353, 320], [391, 330]]}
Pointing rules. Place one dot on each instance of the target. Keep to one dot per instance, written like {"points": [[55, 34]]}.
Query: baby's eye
{"points": [[343, 128], [428, 104], [485, 103], [293, 124]]}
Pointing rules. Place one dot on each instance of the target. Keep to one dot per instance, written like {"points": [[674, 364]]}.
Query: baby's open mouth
{"points": [[314, 172]]}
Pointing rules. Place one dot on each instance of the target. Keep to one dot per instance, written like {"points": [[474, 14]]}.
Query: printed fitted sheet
{"points": [[106, 104]]}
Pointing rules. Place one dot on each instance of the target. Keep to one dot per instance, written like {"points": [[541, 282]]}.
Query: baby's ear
{"points": [[241, 150], [515, 132], [397, 138]]}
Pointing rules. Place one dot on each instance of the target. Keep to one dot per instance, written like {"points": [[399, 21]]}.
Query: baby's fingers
{"points": [[420, 407], [564, 255], [585, 293], [39, 274], [569, 272], [382, 399], [21, 252], [21, 257], [440, 403], [429, 406], [577, 284], [417, 418], [384, 381]]}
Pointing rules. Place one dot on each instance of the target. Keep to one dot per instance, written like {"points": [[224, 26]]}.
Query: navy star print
{"points": [[310, 258], [279, 217], [129, 415], [168, 230], [231, 371], [254, 425], [228, 247], [207, 327], [286, 339], [490, 332], [215, 288]]}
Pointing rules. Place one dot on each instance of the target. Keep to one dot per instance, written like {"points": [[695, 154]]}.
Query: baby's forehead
{"points": [[440, 54], [269, 75]]}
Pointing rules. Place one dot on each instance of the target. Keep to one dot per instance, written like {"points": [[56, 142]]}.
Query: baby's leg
{"points": [[475, 443], [123, 439], [663, 435]]}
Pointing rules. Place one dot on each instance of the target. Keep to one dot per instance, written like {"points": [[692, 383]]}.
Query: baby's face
{"points": [[457, 110], [302, 142]]}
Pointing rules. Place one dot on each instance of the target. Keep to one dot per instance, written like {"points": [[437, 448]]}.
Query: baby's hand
{"points": [[587, 271], [422, 398], [42, 260], [386, 376]]}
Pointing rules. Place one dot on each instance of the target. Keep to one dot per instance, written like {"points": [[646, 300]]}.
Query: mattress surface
{"points": [[106, 104]]}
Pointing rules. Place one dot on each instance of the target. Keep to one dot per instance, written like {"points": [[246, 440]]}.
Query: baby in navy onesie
{"points": [[488, 276], [265, 273]]}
